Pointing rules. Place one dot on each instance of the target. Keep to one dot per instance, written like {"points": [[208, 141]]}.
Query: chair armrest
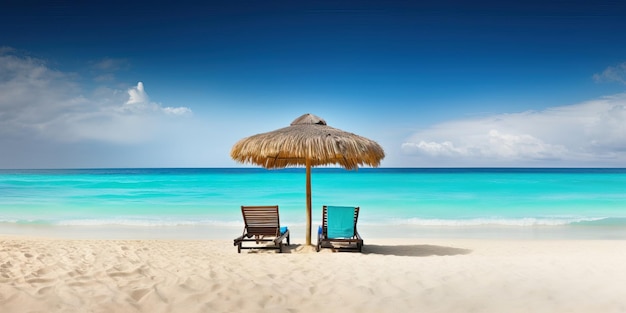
{"points": [[238, 239], [280, 238]]}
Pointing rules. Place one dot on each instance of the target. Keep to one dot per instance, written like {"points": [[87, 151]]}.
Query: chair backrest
{"points": [[261, 220], [340, 221]]}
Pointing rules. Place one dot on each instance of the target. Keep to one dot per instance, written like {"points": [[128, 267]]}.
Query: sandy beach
{"points": [[391, 275]]}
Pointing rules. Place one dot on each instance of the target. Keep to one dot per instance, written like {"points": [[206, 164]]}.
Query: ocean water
{"points": [[418, 200]]}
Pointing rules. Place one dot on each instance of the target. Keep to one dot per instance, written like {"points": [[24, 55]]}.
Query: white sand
{"points": [[416, 275]]}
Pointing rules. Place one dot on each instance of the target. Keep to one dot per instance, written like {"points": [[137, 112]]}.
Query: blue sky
{"points": [[437, 83]]}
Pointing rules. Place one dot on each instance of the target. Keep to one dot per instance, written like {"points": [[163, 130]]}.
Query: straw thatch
{"points": [[309, 142], [310, 138]]}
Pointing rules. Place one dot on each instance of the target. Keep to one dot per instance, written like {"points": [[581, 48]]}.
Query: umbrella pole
{"points": [[308, 202]]}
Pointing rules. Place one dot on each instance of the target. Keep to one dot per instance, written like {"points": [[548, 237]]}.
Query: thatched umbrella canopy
{"points": [[309, 142]]}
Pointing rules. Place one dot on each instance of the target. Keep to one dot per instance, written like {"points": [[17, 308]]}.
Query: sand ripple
{"points": [[46, 275]]}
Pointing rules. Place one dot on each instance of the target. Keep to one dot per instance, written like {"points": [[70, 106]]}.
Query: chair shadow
{"points": [[300, 248], [414, 250], [397, 250], [292, 248]]}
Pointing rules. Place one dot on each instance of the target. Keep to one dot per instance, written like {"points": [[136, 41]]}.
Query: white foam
{"points": [[189, 221], [142, 222], [496, 221]]}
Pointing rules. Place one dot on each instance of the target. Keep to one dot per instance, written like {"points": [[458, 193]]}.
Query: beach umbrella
{"points": [[310, 142]]}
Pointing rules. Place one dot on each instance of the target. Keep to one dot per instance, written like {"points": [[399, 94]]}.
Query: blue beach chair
{"points": [[339, 226], [261, 225]]}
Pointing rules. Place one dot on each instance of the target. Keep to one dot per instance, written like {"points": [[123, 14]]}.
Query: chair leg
{"points": [[239, 248], [319, 243]]}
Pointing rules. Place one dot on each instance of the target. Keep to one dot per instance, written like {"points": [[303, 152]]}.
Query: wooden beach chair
{"points": [[339, 226], [261, 225]]}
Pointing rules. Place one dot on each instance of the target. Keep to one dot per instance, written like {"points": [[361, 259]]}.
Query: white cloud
{"points": [[612, 74], [139, 101], [137, 95], [39, 102], [593, 132], [176, 111]]}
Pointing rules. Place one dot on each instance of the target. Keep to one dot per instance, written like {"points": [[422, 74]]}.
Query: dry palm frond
{"points": [[310, 138]]}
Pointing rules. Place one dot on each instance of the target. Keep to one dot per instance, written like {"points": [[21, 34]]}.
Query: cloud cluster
{"points": [[612, 74], [139, 101], [40, 102], [593, 132]]}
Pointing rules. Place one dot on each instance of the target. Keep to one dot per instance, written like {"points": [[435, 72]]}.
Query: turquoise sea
{"points": [[416, 201]]}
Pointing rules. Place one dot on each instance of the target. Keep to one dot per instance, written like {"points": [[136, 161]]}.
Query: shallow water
{"points": [[449, 200]]}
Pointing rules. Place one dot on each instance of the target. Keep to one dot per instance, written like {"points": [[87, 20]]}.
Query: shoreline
{"points": [[391, 275], [367, 231]]}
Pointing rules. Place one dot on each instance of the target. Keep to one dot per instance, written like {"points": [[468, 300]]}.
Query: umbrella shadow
{"points": [[414, 250]]}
